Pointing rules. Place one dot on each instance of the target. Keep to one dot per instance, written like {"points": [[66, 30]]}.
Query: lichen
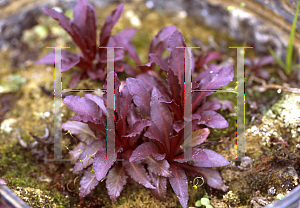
{"points": [[281, 122]]}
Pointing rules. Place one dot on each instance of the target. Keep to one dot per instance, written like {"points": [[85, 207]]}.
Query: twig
{"points": [[280, 88]]}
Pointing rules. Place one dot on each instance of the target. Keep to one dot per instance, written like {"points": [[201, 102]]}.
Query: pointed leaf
{"points": [[160, 183], [138, 173], [87, 184], [76, 152], [144, 150], [215, 81], [98, 100], [161, 126], [75, 79], [174, 86], [212, 158], [64, 21], [68, 61], [83, 106], [152, 82], [212, 69], [125, 102], [140, 92], [101, 165], [179, 184], [138, 127], [158, 167], [209, 105], [127, 45], [212, 81], [86, 19], [133, 116], [160, 41], [199, 136], [86, 157], [116, 180], [212, 177], [153, 58], [109, 23], [227, 105], [176, 60], [213, 119], [81, 130]]}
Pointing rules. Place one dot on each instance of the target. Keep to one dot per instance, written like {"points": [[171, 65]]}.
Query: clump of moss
{"points": [[35, 197]]}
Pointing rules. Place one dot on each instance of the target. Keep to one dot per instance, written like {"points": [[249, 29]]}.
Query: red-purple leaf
{"points": [[133, 116], [75, 79], [81, 130], [68, 60], [209, 105], [153, 58], [212, 69], [160, 41], [140, 92], [215, 81], [87, 183], [123, 39], [176, 60], [64, 21], [212, 177], [86, 19], [118, 55], [101, 164], [144, 150], [213, 119], [152, 82], [99, 74], [212, 81], [199, 136], [109, 23], [227, 105], [83, 106], [212, 158], [129, 70], [174, 86], [196, 156], [98, 100], [161, 167], [205, 58], [125, 102], [76, 152], [116, 180], [179, 184], [257, 63], [160, 183], [138, 127], [161, 126], [138, 173], [86, 157]]}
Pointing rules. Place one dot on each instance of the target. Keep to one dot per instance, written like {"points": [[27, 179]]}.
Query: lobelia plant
{"points": [[83, 31], [149, 129], [129, 126]]}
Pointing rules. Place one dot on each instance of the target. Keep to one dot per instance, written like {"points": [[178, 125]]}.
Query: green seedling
{"points": [[204, 201], [288, 65]]}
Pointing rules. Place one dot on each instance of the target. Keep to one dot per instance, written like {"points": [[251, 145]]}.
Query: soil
{"points": [[26, 105]]}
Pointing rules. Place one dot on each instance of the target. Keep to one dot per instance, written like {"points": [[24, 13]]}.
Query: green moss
{"points": [[21, 173]]}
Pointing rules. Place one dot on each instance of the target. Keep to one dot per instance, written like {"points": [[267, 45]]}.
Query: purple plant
{"points": [[129, 127], [165, 147], [256, 65], [83, 31], [149, 128]]}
